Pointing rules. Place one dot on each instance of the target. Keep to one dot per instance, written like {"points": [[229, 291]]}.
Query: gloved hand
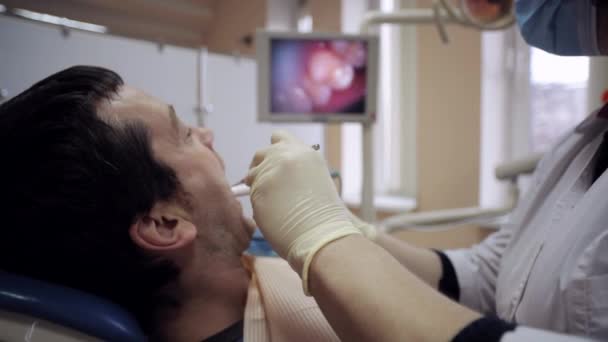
{"points": [[295, 202], [367, 229]]}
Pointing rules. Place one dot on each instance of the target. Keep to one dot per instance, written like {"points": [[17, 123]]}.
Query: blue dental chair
{"points": [[35, 311]]}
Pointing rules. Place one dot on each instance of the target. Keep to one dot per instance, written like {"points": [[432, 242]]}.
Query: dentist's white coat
{"points": [[548, 268]]}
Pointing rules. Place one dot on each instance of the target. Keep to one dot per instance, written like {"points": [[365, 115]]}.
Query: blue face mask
{"points": [[563, 27]]}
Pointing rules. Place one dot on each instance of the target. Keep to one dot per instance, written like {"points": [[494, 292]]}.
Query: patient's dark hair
{"points": [[72, 184]]}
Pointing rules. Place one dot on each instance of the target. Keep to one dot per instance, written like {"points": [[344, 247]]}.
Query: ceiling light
{"points": [[51, 19]]}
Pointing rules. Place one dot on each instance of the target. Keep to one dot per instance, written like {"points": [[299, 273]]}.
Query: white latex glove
{"points": [[367, 229], [295, 202]]}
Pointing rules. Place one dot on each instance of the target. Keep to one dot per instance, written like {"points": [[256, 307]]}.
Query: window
{"points": [[394, 130], [558, 96], [529, 99]]}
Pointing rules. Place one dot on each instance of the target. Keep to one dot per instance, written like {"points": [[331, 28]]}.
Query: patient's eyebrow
{"points": [[174, 119]]}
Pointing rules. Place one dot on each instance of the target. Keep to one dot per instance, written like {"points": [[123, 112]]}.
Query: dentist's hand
{"points": [[367, 229], [295, 202]]}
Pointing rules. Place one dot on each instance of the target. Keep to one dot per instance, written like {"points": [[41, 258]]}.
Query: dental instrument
{"points": [[240, 189]]}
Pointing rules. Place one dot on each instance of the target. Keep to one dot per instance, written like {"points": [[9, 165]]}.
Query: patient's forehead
{"points": [[132, 104], [130, 101]]}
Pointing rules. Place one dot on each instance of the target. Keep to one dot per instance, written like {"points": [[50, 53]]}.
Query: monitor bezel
{"points": [[263, 44]]}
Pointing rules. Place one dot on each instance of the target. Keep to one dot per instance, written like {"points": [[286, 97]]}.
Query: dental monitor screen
{"points": [[316, 77]]}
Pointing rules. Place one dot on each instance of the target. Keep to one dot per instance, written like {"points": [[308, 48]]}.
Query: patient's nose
{"points": [[206, 136]]}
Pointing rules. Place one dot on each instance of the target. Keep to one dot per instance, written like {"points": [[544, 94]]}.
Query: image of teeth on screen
{"points": [[318, 76]]}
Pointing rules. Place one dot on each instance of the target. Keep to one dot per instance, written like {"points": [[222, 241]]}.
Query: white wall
{"points": [[31, 51], [231, 91]]}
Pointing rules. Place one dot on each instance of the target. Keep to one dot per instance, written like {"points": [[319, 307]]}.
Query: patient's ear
{"points": [[166, 227]]}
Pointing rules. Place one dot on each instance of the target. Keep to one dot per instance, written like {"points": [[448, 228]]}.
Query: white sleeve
{"points": [[526, 334], [477, 270], [477, 267], [492, 329], [585, 291]]}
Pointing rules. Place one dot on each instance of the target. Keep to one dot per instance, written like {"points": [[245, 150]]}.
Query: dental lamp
{"points": [[475, 14]]}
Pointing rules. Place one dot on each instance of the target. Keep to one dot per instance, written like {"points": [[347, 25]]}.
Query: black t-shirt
{"points": [[233, 333]]}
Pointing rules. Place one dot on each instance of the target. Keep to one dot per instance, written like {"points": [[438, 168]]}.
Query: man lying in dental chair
{"points": [[105, 190]]}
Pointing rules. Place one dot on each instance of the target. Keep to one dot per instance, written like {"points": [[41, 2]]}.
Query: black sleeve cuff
{"points": [[448, 284], [485, 329]]}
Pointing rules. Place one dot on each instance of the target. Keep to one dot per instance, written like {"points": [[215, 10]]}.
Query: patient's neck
{"points": [[212, 297]]}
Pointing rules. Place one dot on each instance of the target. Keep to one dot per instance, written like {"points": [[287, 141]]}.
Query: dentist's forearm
{"points": [[367, 295], [423, 262]]}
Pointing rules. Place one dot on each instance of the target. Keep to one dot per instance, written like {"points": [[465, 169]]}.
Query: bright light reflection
{"points": [[2, 8], [305, 24], [549, 68], [51, 19]]}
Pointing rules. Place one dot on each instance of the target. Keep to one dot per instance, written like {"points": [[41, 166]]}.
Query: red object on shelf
{"points": [[605, 96]]}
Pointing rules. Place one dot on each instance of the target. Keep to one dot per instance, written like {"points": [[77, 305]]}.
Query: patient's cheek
{"points": [[249, 224]]}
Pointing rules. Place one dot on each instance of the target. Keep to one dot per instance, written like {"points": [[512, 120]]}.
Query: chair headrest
{"points": [[68, 307]]}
